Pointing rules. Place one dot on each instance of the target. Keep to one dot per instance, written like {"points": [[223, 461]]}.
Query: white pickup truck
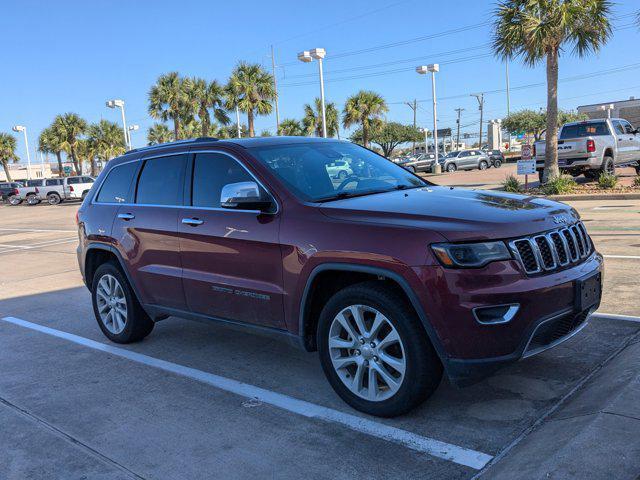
{"points": [[594, 146], [56, 190]]}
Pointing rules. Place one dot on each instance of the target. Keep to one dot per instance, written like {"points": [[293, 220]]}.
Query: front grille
{"points": [[553, 250], [554, 330]]}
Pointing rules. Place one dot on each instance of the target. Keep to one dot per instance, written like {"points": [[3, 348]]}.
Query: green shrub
{"points": [[636, 181], [512, 184], [607, 180], [559, 185]]}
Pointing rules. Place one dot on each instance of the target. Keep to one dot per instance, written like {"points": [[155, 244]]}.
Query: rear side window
{"points": [[115, 188], [73, 180], [211, 172], [52, 181], [87, 180], [161, 181], [584, 130]]}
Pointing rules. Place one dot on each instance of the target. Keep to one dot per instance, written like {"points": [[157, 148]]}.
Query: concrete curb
{"points": [[593, 196]]}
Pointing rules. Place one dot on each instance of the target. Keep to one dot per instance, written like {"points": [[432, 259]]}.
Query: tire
{"points": [[32, 200], [14, 200], [411, 168], [54, 199], [497, 163], [451, 167], [591, 174], [422, 367], [342, 175], [483, 165], [133, 324], [607, 166]]}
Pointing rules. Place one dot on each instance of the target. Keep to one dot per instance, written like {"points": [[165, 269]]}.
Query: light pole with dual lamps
{"points": [[23, 129], [306, 57], [117, 103], [433, 68], [132, 128]]}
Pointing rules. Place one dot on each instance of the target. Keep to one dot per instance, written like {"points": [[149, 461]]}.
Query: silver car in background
{"points": [[465, 160]]}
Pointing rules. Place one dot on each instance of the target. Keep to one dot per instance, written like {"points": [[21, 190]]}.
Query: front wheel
{"points": [[411, 168], [14, 200], [497, 163], [451, 167], [32, 200], [483, 165], [375, 352], [118, 312]]}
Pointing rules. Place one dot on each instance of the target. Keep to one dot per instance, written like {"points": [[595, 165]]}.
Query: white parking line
{"points": [[615, 316], [635, 257], [436, 448], [6, 248], [35, 230]]}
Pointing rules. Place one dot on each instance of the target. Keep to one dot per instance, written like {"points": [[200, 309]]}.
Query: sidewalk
{"points": [[595, 435]]}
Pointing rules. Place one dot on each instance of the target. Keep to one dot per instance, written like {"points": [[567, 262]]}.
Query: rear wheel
{"points": [[117, 310], [451, 167], [32, 200], [53, 199], [497, 163], [608, 166], [14, 200], [375, 352]]}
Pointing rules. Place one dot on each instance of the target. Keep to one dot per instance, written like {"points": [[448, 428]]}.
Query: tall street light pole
{"points": [[275, 87], [132, 128], [480, 98], [459, 110], [508, 101], [117, 103], [414, 106], [306, 57], [422, 70], [23, 129]]}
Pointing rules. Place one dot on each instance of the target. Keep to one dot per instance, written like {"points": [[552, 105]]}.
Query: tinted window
{"points": [[34, 183], [618, 127], [73, 180], [52, 181], [626, 126], [115, 188], [303, 169], [87, 180], [211, 172], [584, 130], [160, 182]]}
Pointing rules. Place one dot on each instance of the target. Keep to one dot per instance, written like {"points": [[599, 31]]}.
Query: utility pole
{"points": [[413, 106], [480, 98], [508, 102], [275, 87], [459, 110]]}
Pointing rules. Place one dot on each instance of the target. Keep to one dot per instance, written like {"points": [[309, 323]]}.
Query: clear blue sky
{"points": [[73, 55]]}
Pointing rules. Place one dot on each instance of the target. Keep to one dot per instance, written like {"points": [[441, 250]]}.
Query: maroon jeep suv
{"points": [[393, 280]]}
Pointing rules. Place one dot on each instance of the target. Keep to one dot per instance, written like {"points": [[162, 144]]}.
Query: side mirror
{"points": [[244, 196]]}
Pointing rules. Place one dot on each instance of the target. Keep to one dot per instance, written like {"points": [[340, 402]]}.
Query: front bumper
{"points": [[547, 315]]}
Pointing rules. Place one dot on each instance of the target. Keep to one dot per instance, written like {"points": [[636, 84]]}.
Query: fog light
{"points": [[495, 314]]}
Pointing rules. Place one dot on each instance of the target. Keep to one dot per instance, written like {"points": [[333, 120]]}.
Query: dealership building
{"points": [[627, 109]]}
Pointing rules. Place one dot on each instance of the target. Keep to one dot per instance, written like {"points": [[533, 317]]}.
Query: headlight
{"points": [[470, 255]]}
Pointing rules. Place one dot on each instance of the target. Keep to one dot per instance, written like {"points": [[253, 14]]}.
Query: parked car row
{"points": [[457, 160], [50, 190]]}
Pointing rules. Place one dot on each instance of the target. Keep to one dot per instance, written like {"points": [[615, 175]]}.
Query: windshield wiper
{"points": [[341, 195]]}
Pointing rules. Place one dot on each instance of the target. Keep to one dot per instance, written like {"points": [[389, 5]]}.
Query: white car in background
{"points": [[57, 190], [339, 169]]}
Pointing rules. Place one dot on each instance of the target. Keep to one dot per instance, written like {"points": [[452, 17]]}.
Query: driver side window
{"points": [[211, 172]]}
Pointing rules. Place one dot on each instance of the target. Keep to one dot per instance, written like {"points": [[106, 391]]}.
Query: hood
{"points": [[456, 213]]}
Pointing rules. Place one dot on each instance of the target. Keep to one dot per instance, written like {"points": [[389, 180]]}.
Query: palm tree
{"points": [[159, 133], [313, 119], [168, 101], [365, 108], [291, 127], [7, 152], [49, 142], [106, 142], [251, 89], [69, 127], [538, 30], [202, 97]]}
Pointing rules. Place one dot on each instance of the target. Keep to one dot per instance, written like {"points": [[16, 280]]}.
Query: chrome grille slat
{"points": [[552, 250]]}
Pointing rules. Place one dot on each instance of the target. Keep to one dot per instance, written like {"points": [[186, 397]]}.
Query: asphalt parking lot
{"points": [[181, 403]]}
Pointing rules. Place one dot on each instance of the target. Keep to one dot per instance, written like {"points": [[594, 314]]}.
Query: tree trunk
{"points": [[6, 170], [365, 135], [176, 128], [250, 121], [60, 167], [94, 167], [75, 162], [551, 169], [205, 122]]}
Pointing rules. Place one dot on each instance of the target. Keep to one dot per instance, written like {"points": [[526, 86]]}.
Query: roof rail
{"points": [[176, 142]]}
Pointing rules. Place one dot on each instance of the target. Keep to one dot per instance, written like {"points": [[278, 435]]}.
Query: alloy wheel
{"points": [[112, 304], [367, 352]]}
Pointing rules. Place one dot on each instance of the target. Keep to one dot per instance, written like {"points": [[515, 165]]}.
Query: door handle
{"points": [[194, 222], [126, 216]]}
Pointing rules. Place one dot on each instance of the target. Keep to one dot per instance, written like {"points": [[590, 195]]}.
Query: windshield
{"points": [[327, 171], [584, 130]]}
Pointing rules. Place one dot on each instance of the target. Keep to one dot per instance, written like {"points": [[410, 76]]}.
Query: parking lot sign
{"points": [[526, 167]]}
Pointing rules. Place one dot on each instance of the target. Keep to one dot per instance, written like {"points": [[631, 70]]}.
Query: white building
{"points": [[627, 109]]}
